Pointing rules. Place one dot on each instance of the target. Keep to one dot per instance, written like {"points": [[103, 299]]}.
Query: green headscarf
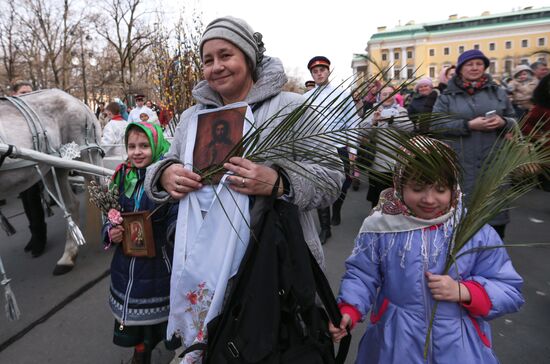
{"points": [[159, 146]]}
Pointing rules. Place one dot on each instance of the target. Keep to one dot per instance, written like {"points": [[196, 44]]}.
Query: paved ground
{"points": [[66, 319]]}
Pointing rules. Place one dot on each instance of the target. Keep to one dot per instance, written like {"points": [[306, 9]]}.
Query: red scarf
{"points": [[471, 87]]}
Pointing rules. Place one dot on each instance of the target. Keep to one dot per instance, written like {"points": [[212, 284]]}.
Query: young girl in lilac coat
{"points": [[395, 271]]}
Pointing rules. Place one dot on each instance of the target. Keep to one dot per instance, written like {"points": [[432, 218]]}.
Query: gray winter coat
{"points": [[473, 147], [320, 188]]}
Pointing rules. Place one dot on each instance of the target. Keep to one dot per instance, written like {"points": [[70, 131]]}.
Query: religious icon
{"points": [[138, 234], [217, 139]]}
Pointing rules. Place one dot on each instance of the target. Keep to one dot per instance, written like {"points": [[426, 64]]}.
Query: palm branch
{"points": [[307, 133]]}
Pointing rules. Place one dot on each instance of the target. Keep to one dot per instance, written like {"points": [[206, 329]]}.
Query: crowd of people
{"points": [[389, 273], [114, 117], [396, 271]]}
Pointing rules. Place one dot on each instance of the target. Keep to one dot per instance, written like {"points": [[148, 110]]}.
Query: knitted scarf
{"points": [[159, 146], [471, 87]]}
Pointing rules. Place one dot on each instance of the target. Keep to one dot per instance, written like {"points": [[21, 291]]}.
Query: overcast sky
{"points": [[296, 30]]}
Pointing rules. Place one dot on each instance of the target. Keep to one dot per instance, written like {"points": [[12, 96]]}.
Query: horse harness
{"points": [[39, 135], [42, 144]]}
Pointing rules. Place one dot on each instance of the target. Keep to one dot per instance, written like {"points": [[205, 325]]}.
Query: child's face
{"points": [[426, 201], [144, 117], [140, 153], [522, 76]]}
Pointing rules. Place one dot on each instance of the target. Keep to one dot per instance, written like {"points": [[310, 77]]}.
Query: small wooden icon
{"points": [[138, 234]]}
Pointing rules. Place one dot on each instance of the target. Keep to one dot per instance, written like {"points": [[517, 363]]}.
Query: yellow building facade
{"points": [[507, 39]]}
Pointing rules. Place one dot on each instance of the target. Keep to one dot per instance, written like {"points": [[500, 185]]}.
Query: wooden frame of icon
{"points": [[138, 238]]}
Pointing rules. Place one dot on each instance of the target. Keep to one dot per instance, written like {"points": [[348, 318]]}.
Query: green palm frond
{"points": [[309, 132]]}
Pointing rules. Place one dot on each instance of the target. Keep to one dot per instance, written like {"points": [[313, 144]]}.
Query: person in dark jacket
{"points": [[32, 198], [479, 115], [445, 77], [140, 286], [538, 120], [422, 103]]}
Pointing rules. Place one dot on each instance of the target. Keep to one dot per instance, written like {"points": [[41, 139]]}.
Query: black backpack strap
{"points": [[327, 297]]}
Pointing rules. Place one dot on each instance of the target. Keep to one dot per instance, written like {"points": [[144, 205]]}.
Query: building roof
{"points": [[492, 21]]}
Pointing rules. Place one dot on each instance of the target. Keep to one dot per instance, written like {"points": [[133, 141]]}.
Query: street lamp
{"points": [[80, 59]]}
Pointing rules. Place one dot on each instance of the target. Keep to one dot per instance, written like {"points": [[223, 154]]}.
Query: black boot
{"points": [[336, 208], [355, 183], [28, 247], [38, 240], [32, 204], [324, 220]]}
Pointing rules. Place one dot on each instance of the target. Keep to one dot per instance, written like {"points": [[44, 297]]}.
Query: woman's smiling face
{"points": [[226, 70]]}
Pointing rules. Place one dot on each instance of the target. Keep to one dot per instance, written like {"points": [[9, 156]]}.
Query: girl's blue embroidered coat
{"points": [[140, 286]]}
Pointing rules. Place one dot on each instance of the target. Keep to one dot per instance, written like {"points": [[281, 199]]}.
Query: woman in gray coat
{"points": [[479, 115], [235, 70]]}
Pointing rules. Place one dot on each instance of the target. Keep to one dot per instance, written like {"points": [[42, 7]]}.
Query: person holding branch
{"points": [[214, 221], [139, 291], [397, 272]]}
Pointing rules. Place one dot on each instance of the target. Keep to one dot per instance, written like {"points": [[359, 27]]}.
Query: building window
{"points": [[541, 42], [476, 46], [491, 46], [508, 44], [410, 72], [524, 61], [508, 66], [432, 52], [446, 51], [492, 67], [396, 73], [432, 72], [460, 49], [524, 43], [409, 54], [384, 57], [395, 55]]}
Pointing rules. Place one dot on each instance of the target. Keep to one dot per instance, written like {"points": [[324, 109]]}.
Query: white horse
{"points": [[62, 119]]}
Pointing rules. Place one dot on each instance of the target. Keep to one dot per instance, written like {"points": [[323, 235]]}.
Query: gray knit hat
{"points": [[238, 32]]}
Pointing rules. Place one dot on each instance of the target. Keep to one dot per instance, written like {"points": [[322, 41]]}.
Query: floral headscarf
{"points": [[159, 146], [392, 214], [426, 145]]}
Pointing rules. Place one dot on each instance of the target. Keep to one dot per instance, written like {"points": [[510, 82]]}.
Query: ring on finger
{"points": [[243, 183]]}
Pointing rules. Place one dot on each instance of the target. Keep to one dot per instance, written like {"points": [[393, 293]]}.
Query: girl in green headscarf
{"points": [[140, 285], [158, 145]]}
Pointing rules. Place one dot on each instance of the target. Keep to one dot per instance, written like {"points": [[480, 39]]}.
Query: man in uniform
{"points": [[141, 108], [309, 85], [324, 94]]}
